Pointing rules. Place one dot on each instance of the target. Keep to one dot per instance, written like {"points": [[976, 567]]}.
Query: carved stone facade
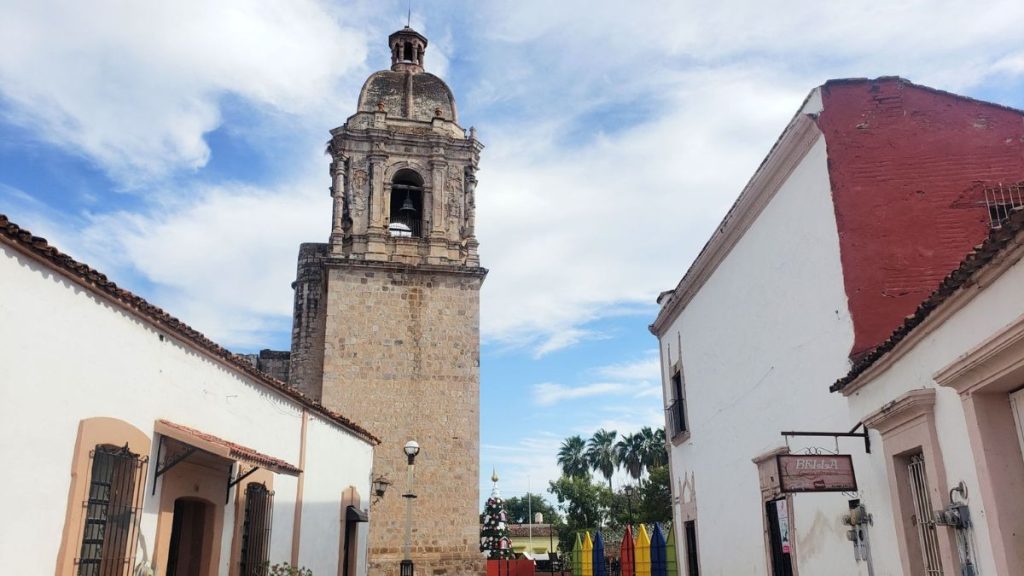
{"points": [[387, 313]]}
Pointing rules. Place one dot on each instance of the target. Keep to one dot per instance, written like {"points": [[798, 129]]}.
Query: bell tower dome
{"points": [[387, 312], [404, 171]]}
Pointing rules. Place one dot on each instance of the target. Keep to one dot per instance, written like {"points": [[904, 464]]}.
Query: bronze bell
{"points": [[407, 206]]}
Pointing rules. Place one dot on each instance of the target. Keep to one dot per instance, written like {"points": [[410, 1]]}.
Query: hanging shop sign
{"points": [[816, 473]]}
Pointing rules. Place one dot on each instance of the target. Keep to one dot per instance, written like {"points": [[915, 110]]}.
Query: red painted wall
{"points": [[521, 567], [907, 166]]}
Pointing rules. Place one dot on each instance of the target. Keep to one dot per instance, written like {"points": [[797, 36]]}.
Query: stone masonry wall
{"points": [[402, 354], [307, 355], [274, 363]]}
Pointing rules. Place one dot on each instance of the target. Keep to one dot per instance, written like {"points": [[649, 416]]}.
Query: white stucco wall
{"points": [[992, 309], [67, 355], [326, 478], [761, 342]]}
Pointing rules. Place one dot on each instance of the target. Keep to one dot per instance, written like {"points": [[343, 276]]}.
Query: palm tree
{"points": [[572, 459], [630, 452], [655, 450], [601, 453]]}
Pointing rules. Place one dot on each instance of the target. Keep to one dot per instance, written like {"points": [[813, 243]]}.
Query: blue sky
{"points": [[178, 147]]}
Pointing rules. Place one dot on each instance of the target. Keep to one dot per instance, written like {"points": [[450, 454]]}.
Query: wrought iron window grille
{"points": [[1002, 201], [112, 509], [256, 526]]}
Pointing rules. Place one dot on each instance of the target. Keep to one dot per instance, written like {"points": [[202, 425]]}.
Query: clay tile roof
{"points": [[998, 239], [99, 283], [236, 451], [518, 530]]}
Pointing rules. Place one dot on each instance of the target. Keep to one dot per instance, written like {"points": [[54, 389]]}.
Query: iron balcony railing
{"points": [[675, 415]]}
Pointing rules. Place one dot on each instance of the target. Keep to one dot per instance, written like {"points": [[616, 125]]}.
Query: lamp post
{"points": [[411, 450], [628, 490]]}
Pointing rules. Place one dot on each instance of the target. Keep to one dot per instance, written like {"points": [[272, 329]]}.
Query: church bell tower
{"points": [[386, 325]]}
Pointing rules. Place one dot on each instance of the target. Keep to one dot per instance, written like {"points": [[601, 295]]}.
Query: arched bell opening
{"points": [[406, 215]]}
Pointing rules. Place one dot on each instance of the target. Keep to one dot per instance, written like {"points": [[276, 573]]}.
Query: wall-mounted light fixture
{"points": [[380, 486]]}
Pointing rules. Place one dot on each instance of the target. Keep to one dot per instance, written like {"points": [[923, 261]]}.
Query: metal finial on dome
{"points": [[494, 475]]}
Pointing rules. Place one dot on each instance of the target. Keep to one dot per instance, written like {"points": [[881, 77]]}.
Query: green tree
{"points": [[583, 503], [654, 503], [630, 453], [601, 453], [519, 509], [572, 459]]}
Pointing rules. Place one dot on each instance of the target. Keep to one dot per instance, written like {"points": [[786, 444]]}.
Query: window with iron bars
{"points": [[1002, 201], [259, 508], [112, 512], [676, 411]]}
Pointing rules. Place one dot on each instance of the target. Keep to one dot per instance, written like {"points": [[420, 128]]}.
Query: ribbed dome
{"points": [[389, 91]]}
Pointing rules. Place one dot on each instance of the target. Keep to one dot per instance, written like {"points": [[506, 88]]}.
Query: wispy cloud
{"points": [[136, 86], [600, 181], [563, 339], [646, 369], [547, 393]]}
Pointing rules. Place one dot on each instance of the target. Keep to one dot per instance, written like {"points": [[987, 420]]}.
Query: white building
{"points": [[872, 194], [135, 444], [946, 395]]}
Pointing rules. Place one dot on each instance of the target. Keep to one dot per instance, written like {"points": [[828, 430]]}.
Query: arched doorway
{"points": [[192, 534]]}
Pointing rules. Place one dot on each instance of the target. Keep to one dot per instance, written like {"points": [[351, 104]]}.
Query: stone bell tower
{"points": [[386, 325]]}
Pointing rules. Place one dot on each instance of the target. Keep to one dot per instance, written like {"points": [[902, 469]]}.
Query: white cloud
{"points": [[616, 138], [135, 86], [563, 339], [572, 232], [526, 466], [548, 393], [222, 261], [646, 369]]}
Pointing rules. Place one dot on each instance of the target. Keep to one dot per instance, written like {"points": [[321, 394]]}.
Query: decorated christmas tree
{"points": [[494, 530]]}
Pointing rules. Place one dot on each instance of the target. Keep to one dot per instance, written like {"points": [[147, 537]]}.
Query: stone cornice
{"points": [[794, 143], [372, 265], [908, 408], [987, 363]]}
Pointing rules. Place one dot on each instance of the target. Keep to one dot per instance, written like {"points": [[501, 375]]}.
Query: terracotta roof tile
{"points": [[98, 282], [972, 264], [237, 450]]}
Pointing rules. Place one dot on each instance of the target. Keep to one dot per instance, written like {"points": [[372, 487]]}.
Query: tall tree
{"points": [[572, 459], [583, 502], [601, 453], [655, 452], [630, 453]]}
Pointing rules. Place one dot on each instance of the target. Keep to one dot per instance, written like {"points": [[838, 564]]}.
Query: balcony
{"points": [[675, 417]]}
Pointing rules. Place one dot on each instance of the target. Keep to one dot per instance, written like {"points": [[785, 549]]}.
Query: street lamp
{"points": [[628, 490], [411, 450]]}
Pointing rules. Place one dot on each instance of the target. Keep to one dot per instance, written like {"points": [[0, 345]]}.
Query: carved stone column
{"points": [[469, 223], [339, 194], [376, 248]]}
